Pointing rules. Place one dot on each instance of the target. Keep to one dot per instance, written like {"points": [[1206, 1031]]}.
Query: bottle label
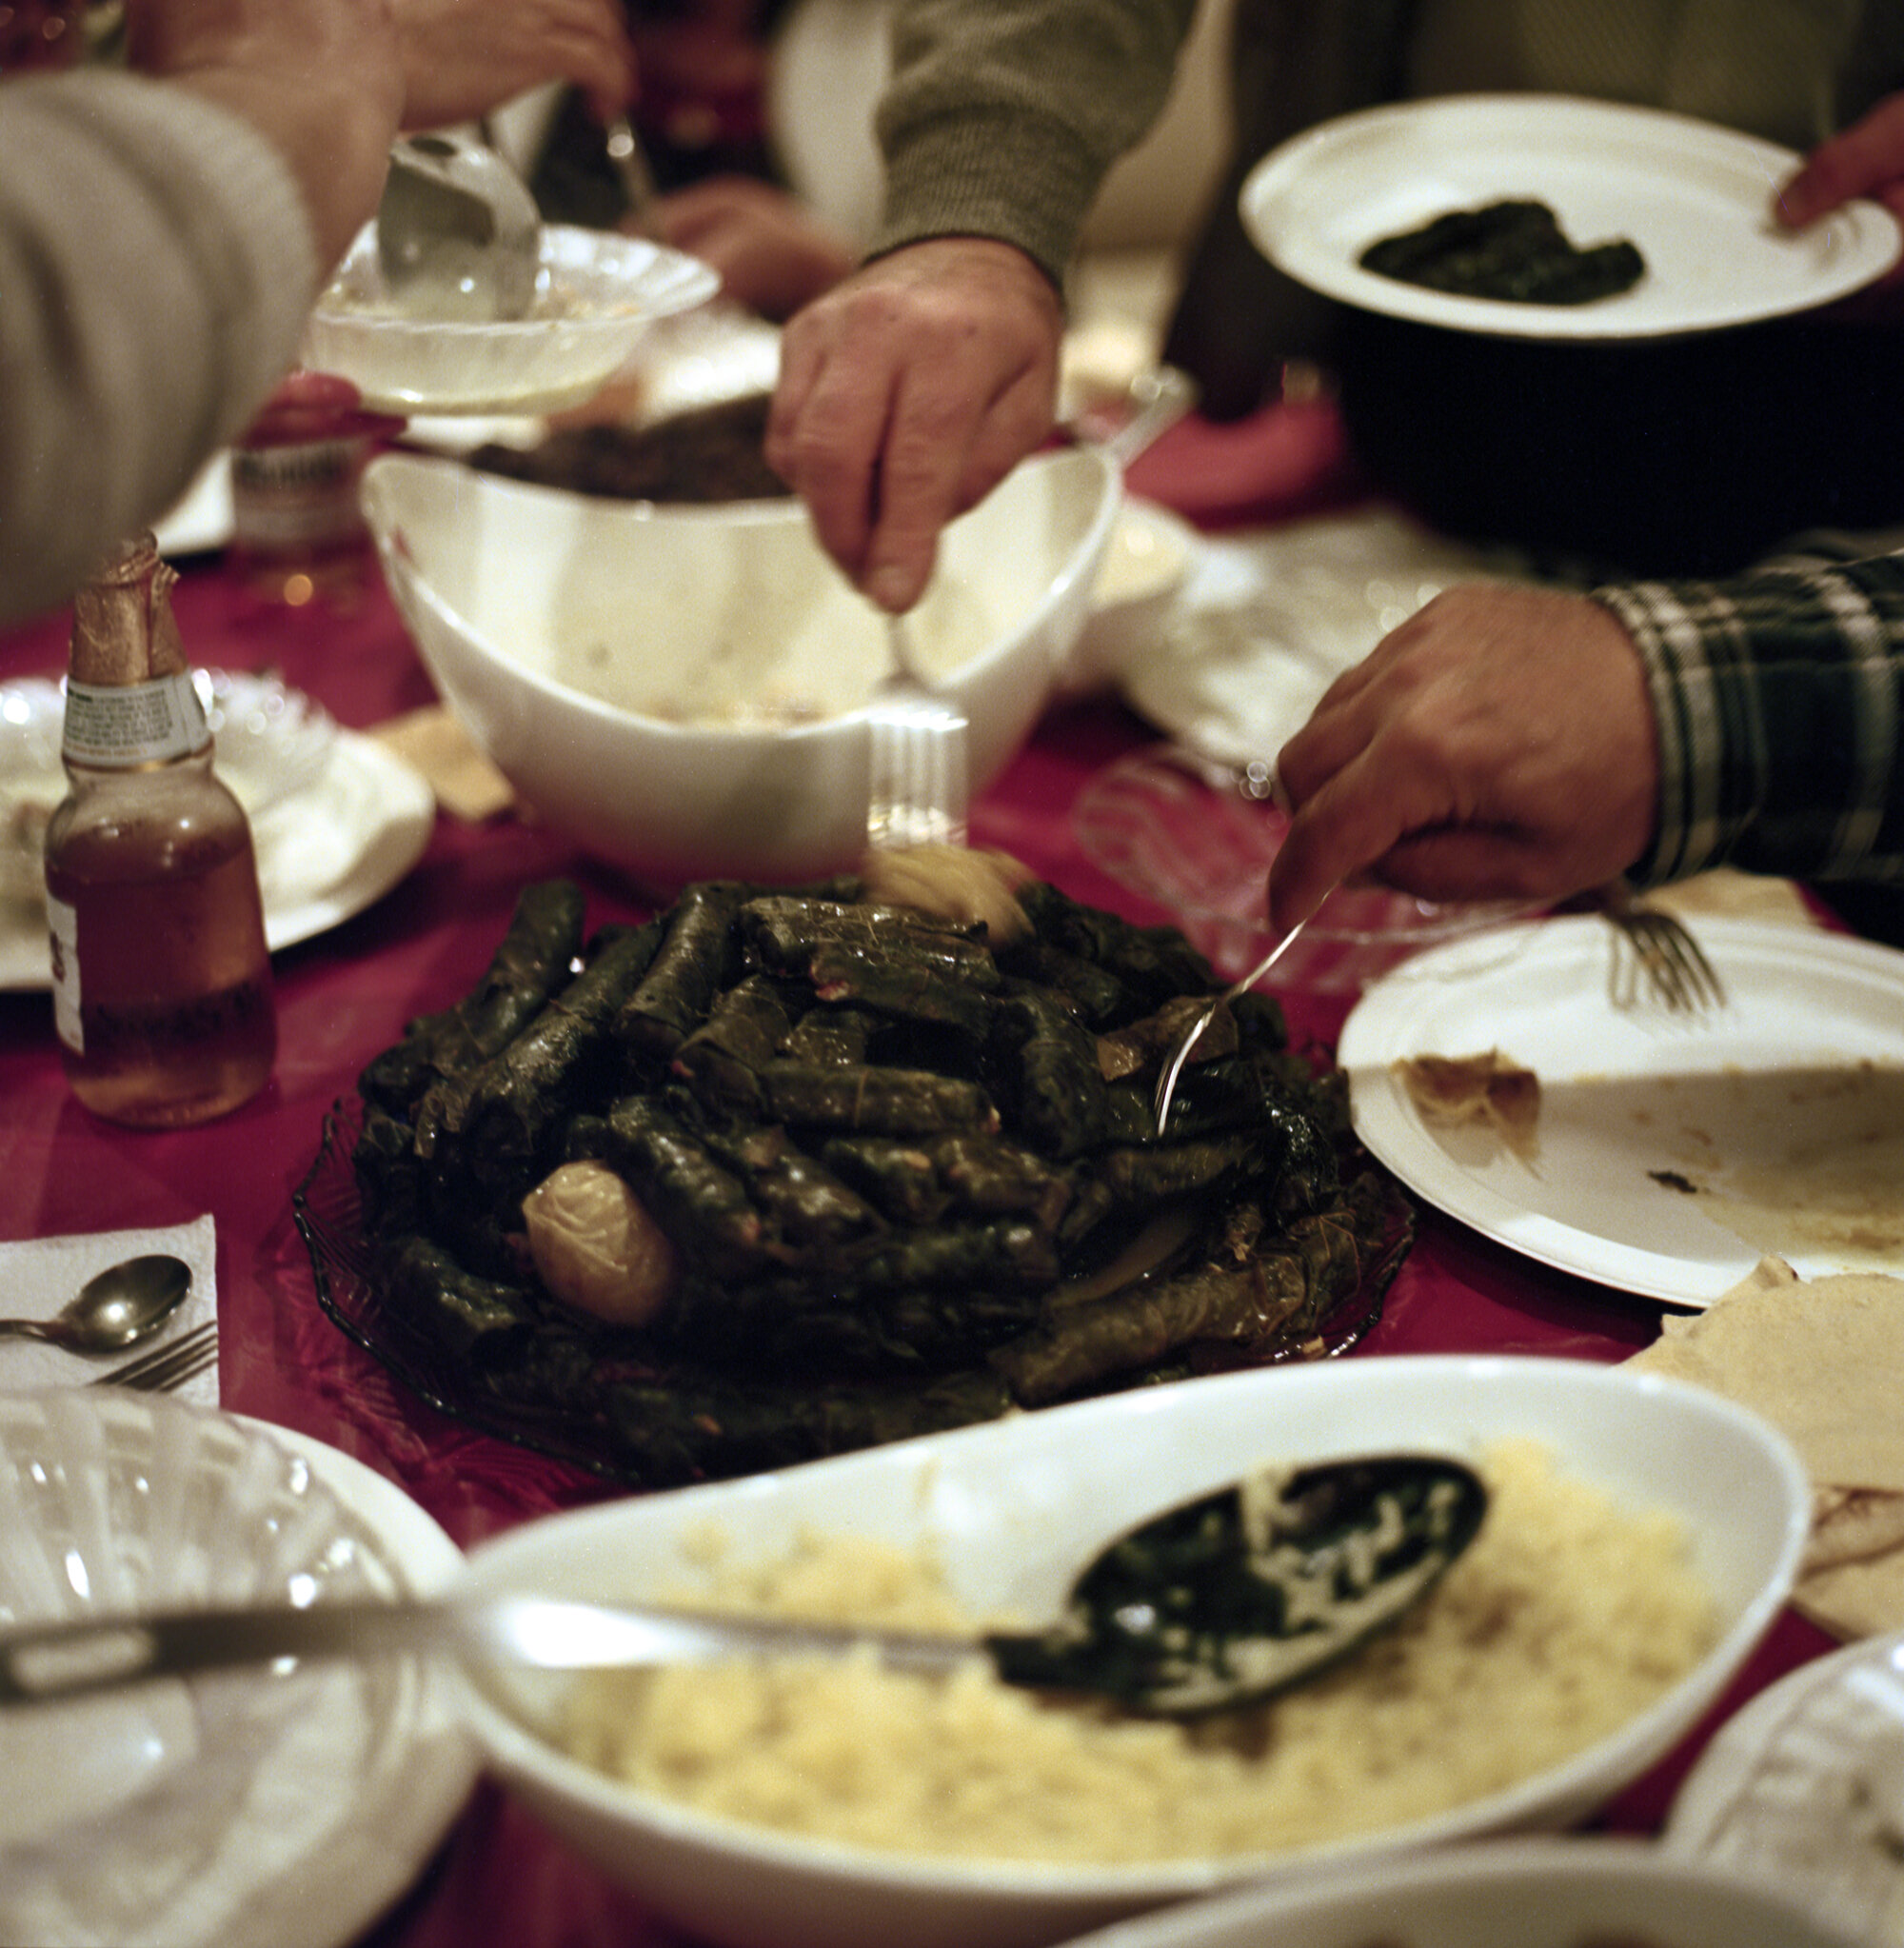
{"points": [[118, 728], [64, 924], [296, 495]]}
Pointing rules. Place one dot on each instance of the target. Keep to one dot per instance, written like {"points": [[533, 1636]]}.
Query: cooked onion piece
{"points": [[596, 1247], [953, 882]]}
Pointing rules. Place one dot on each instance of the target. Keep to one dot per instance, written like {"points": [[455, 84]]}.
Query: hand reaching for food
{"points": [[1499, 744]]}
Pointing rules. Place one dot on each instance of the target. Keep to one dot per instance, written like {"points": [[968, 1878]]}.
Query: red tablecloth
{"points": [[347, 994]]}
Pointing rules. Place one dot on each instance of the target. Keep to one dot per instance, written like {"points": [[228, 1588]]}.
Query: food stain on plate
{"points": [[1803, 1162]]}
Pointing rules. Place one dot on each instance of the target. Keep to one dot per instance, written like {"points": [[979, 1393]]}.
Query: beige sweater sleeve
{"points": [[1004, 116], [156, 266]]}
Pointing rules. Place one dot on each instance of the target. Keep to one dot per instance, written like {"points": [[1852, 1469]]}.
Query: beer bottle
{"points": [[162, 982]]}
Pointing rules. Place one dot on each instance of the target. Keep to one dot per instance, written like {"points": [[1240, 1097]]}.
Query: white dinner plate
{"points": [[1803, 1790], [1673, 1151], [1695, 197], [340, 845], [359, 819]]}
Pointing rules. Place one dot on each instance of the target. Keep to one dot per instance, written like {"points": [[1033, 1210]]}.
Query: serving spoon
{"points": [[114, 1307], [1218, 1603], [458, 234]]}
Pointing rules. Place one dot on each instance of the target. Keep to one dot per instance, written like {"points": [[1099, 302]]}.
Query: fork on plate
{"points": [[1656, 954], [918, 791]]}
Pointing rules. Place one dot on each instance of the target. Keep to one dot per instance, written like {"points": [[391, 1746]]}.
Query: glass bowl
{"points": [[598, 296], [283, 1805], [1196, 836]]}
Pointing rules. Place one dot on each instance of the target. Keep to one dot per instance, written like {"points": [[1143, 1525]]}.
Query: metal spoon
{"points": [[114, 1307], [1220, 1602], [458, 238], [631, 166]]}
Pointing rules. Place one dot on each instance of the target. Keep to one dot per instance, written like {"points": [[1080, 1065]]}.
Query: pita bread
{"points": [[1853, 1526], [1823, 1360]]}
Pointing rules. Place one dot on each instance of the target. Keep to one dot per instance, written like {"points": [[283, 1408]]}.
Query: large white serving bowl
{"points": [[630, 667], [1012, 1508], [1491, 1894]]}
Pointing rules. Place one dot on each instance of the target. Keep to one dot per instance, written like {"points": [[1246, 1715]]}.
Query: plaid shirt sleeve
{"points": [[1778, 704]]}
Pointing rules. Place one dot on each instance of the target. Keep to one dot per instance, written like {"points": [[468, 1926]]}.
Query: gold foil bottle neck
{"points": [[123, 627]]}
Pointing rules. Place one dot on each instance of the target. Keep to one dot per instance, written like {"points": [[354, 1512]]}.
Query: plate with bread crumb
{"points": [[1506, 1080]]}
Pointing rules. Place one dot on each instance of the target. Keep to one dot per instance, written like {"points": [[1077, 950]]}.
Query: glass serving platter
{"points": [[576, 1422]]}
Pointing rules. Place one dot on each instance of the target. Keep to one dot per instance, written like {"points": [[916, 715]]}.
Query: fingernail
{"points": [[891, 587]]}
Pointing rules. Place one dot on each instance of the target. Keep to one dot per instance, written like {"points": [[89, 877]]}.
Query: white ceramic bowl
{"points": [[632, 669], [1493, 1893], [1144, 568], [1011, 1507], [600, 294], [283, 1809]]}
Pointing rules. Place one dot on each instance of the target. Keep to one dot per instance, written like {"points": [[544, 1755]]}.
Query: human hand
{"points": [[1867, 159], [321, 81], [906, 393], [316, 405], [464, 57], [1499, 744], [774, 255]]}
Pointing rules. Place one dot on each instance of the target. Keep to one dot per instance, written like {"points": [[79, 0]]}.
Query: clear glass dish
{"points": [[570, 1410], [598, 295], [281, 1806], [1196, 836]]}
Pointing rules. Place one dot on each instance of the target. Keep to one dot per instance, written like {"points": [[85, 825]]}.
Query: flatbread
{"points": [[1822, 1360], [1487, 1089]]}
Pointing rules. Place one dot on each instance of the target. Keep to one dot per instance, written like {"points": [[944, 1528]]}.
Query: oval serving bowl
{"points": [[1010, 1507], [1493, 1893], [680, 688]]}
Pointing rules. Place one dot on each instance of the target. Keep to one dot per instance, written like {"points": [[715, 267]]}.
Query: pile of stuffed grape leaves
{"points": [[778, 1174]]}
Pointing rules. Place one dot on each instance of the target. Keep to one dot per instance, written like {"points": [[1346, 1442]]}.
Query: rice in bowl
{"points": [[1569, 1614]]}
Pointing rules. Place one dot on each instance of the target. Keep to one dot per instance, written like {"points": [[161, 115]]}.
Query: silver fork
{"points": [[917, 791], [169, 1366], [1166, 1081], [1654, 952]]}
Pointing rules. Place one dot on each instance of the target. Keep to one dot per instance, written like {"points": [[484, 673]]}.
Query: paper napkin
{"points": [[37, 1277]]}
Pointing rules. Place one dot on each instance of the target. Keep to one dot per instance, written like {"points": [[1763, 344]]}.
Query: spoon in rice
{"points": [[1218, 1602]]}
